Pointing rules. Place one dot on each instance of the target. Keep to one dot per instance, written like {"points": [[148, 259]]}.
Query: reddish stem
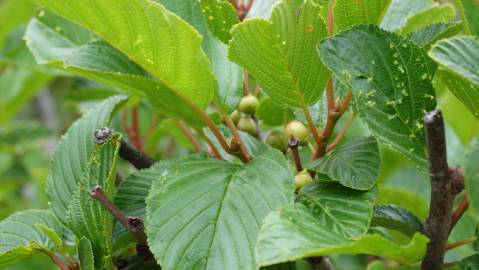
{"points": [[135, 130], [341, 134], [190, 136], [459, 212], [57, 261]]}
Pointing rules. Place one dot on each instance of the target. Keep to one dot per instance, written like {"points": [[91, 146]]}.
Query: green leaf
{"points": [[399, 11], [19, 86], [143, 31], [342, 210], [470, 16], [294, 75], [406, 199], [428, 35], [85, 254], [391, 80], [437, 14], [131, 195], [397, 218], [72, 49], [293, 233], [458, 58], [349, 13], [73, 153], [470, 263], [354, 164], [21, 237], [271, 114], [228, 74], [221, 17], [471, 174], [86, 216], [212, 222]]}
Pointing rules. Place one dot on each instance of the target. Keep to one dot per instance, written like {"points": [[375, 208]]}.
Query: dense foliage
{"points": [[239, 135]]}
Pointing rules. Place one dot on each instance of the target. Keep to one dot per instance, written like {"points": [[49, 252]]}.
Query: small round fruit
{"points": [[235, 116], [247, 124], [302, 179], [298, 130], [248, 105], [277, 139]]}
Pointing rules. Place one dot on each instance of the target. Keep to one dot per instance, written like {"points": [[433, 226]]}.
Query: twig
{"points": [[438, 222], [190, 136], [132, 224], [212, 151], [317, 138], [57, 261], [135, 130], [138, 159], [237, 147], [293, 145], [459, 212], [341, 134], [460, 243], [335, 111]]}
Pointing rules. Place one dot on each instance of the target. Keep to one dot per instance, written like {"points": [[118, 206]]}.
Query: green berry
{"points": [[298, 130], [277, 139], [302, 179], [235, 116], [248, 105], [247, 125]]}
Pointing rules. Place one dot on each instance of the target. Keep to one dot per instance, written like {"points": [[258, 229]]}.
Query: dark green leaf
{"points": [[458, 58], [391, 80], [470, 16], [470, 263], [206, 213], [294, 232], [428, 35], [354, 164], [73, 153], [20, 235], [221, 17], [342, 210], [86, 216], [85, 254], [397, 218]]}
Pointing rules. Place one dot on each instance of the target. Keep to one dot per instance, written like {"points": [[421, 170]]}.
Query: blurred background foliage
{"points": [[37, 105]]}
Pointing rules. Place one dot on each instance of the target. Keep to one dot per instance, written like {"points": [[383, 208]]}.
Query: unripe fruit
{"points": [[248, 105], [235, 116], [298, 130], [302, 179], [247, 124], [277, 139]]}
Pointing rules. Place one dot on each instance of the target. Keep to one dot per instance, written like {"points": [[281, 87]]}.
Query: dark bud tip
{"points": [[136, 223], [433, 116], [122, 264], [293, 142], [96, 191], [100, 136]]}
